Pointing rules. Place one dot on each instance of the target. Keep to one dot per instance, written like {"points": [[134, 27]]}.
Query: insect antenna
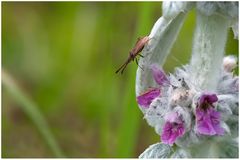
{"points": [[122, 68], [124, 65]]}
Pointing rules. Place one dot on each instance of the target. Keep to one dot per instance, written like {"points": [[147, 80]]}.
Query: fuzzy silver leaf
{"points": [[158, 150], [181, 153]]}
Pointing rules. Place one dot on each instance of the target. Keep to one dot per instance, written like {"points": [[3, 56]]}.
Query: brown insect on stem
{"points": [[141, 42]]}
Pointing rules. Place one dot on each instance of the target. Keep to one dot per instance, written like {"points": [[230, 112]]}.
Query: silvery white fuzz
{"points": [[194, 109]]}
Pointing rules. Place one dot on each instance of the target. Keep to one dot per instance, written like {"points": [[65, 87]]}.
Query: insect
{"points": [[141, 42]]}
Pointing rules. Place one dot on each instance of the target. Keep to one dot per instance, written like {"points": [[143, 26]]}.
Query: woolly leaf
{"points": [[158, 150], [181, 153]]}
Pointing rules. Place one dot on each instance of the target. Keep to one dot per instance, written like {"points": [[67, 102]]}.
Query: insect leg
{"points": [[136, 60]]}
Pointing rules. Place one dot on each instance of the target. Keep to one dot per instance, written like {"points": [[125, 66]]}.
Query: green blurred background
{"points": [[63, 57]]}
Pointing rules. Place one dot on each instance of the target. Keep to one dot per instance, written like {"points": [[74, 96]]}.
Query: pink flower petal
{"points": [[172, 129], [208, 122], [207, 98], [172, 117], [146, 98], [159, 75]]}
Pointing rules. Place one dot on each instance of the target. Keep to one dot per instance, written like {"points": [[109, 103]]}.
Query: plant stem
{"points": [[32, 111], [208, 50], [164, 34]]}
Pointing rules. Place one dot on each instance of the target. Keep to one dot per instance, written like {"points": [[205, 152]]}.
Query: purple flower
{"points": [[146, 98], [172, 129], [159, 75], [208, 122], [207, 118], [206, 100]]}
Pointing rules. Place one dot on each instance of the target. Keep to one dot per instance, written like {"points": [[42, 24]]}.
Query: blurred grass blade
{"points": [[129, 128], [32, 111]]}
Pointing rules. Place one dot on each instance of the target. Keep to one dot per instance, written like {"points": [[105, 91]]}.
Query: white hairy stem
{"points": [[206, 72], [163, 35], [208, 50]]}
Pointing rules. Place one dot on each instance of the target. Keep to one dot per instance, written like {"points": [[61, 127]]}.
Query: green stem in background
{"points": [[105, 82], [32, 111], [129, 127]]}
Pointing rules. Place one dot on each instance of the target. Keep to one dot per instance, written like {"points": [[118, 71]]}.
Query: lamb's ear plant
{"points": [[194, 109]]}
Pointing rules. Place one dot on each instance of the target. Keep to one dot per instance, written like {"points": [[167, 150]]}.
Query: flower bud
{"points": [[229, 63]]}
